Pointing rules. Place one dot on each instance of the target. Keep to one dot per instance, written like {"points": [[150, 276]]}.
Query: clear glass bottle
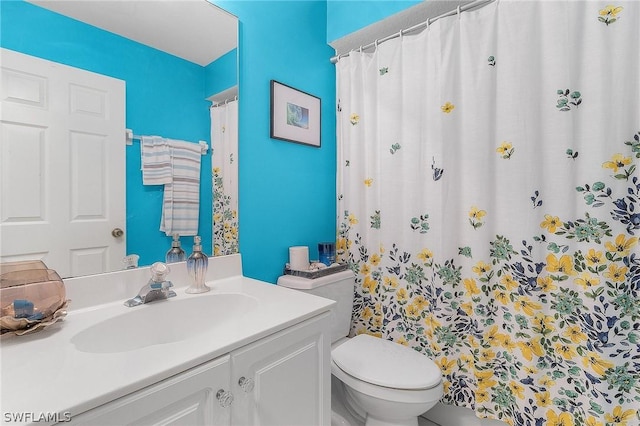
{"points": [[197, 264], [175, 253]]}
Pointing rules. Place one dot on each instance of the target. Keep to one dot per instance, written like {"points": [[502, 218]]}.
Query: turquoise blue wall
{"points": [[345, 17], [165, 96], [287, 190]]}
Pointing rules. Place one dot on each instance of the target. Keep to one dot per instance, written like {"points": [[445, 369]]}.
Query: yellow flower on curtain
{"points": [[615, 273], [517, 389], [616, 162], [447, 107], [565, 350], [485, 379], [426, 255], [352, 219], [611, 10], [412, 311], [543, 324], [619, 417], [547, 382], [481, 268], [446, 365], [546, 284], [420, 302], [374, 259], [475, 217], [369, 285], [563, 265], [365, 269], [501, 296], [543, 398], [622, 246], [596, 363], [492, 336], [402, 295], [530, 348], [390, 282], [551, 223], [586, 280], [505, 150], [368, 182], [467, 307], [527, 305], [562, 419], [354, 118], [593, 257], [575, 334], [431, 322], [487, 355], [592, 421], [508, 281], [367, 313], [471, 286], [507, 342], [482, 395]]}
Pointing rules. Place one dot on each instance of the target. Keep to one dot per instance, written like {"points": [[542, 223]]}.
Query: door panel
{"points": [[62, 158]]}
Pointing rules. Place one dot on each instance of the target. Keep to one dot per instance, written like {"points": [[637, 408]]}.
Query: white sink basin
{"points": [[165, 321]]}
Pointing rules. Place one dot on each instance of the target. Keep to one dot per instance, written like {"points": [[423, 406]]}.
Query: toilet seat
{"points": [[388, 394], [385, 363]]}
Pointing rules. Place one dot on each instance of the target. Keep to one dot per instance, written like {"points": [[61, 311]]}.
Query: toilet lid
{"points": [[385, 363]]}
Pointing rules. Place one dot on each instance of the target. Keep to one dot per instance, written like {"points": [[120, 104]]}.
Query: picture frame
{"points": [[295, 115]]}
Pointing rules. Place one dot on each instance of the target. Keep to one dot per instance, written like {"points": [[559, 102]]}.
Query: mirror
{"points": [[175, 58]]}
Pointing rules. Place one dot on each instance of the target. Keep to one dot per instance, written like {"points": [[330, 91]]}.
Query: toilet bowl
{"points": [[385, 383], [381, 383]]}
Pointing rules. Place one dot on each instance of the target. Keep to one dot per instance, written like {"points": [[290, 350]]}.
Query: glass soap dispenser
{"points": [[175, 253], [197, 264]]}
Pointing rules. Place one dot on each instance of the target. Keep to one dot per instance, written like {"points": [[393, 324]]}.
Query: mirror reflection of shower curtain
{"points": [[224, 141], [489, 200]]}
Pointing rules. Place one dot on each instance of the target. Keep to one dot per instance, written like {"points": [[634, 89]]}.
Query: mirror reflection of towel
{"points": [[156, 160], [181, 201]]}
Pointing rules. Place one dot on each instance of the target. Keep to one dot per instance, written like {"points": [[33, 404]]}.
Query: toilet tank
{"points": [[338, 287]]}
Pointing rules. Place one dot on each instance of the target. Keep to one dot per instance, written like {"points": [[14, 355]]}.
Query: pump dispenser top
{"points": [[175, 253], [197, 264]]}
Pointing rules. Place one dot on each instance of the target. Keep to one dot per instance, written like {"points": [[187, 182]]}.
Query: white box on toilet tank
{"points": [[337, 287]]}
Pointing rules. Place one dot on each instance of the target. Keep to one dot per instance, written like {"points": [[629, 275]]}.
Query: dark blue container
{"points": [[327, 253]]}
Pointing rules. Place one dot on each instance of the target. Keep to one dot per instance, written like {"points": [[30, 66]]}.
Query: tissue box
{"points": [[29, 294]]}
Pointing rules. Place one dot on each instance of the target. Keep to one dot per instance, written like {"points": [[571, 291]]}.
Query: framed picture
{"points": [[295, 115]]}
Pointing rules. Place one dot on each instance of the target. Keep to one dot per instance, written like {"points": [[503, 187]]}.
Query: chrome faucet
{"points": [[158, 288]]}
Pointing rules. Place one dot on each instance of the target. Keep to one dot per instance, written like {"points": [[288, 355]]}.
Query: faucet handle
{"points": [[159, 272]]}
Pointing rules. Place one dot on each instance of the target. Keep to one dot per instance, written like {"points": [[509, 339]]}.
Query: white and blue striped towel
{"points": [[156, 160], [181, 202]]}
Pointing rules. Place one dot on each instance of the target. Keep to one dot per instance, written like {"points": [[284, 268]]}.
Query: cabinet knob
{"points": [[225, 398], [247, 385]]}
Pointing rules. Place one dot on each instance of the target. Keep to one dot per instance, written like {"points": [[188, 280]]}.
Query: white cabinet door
{"points": [[62, 155], [284, 379], [189, 398]]}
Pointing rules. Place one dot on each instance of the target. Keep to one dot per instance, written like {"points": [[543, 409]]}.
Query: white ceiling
{"points": [[395, 23], [195, 30]]}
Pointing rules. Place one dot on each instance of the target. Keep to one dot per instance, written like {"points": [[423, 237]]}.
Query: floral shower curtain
{"points": [[224, 140], [488, 201]]}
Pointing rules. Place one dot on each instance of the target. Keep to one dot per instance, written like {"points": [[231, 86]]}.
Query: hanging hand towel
{"points": [[181, 202], [156, 160]]}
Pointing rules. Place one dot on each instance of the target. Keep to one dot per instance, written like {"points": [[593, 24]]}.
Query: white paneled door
{"points": [[62, 160]]}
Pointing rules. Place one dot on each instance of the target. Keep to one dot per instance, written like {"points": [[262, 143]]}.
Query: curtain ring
{"points": [[458, 11], [360, 49]]}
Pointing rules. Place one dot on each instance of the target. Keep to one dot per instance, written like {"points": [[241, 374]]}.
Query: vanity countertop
{"points": [[46, 373]]}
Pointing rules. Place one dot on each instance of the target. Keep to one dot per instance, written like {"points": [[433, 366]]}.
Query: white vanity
{"points": [[245, 353]]}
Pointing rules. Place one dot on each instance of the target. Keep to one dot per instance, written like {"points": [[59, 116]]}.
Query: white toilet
{"points": [[384, 383]]}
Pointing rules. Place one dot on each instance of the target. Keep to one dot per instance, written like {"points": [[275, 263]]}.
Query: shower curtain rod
{"points": [[425, 24], [226, 101]]}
